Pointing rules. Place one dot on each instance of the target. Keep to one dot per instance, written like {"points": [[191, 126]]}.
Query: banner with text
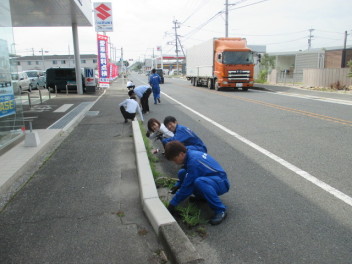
{"points": [[103, 61]]}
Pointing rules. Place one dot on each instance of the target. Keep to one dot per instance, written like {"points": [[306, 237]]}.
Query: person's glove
{"points": [[172, 209], [174, 189], [147, 134], [159, 136]]}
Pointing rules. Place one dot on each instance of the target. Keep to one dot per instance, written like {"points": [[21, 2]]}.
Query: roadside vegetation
{"points": [[267, 63], [188, 213]]}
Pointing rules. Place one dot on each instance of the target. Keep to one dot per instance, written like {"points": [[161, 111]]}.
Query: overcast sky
{"points": [[141, 25]]}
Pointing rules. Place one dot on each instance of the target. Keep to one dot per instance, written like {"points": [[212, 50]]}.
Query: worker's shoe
{"points": [[159, 100], [218, 218], [126, 121]]}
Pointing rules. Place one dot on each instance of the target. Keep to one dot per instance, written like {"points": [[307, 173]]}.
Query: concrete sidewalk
{"points": [[83, 204]]}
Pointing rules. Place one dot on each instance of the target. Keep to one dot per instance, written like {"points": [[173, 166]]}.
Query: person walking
{"points": [[129, 108], [201, 176], [143, 92], [154, 81]]}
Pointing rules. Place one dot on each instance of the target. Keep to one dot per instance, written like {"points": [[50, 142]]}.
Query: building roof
{"points": [[56, 57]]}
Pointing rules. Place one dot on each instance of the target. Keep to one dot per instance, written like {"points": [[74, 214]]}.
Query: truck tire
{"points": [[216, 85], [210, 84], [193, 81], [197, 82], [244, 89]]}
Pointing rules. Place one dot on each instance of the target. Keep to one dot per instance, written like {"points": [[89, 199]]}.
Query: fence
{"points": [[285, 77], [312, 77], [326, 77]]}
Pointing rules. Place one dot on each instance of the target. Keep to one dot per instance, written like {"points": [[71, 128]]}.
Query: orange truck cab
{"points": [[220, 63]]}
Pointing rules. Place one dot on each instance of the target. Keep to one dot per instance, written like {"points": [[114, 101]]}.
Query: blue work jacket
{"points": [[154, 80], [197, 164], [188, 138]]}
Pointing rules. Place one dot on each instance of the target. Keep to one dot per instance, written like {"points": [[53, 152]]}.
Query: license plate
{"points": [[239, 84]]}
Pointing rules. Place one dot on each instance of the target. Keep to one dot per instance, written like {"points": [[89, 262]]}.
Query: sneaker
{"points": [[218, 218], [159, 100]]}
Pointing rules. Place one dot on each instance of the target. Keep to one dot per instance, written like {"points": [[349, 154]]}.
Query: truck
{"points": [[220, 63]]}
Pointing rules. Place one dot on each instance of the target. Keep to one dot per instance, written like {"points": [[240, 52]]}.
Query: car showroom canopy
{"points": [[51, 13]]}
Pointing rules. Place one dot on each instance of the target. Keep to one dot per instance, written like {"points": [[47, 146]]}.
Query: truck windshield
{"points": [[237, 57]]}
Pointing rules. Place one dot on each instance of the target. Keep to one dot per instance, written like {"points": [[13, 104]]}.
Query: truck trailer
{"points": [[221, 62]]}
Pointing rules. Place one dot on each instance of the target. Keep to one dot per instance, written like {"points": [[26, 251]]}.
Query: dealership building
{"points": [[34, 13]]}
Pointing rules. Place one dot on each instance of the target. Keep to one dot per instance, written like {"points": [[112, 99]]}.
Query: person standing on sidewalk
{"points": [[129, 108], [143, 92], [201, 176], [154, 81]]}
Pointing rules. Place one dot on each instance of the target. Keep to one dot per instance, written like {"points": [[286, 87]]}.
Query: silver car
{"points": [[36, 79], [20, 81]]}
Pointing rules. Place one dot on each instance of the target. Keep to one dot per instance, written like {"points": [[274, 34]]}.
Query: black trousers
{"points": [[127, 115], [144, 100]]}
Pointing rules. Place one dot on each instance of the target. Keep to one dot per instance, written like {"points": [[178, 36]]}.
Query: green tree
{"points": [[349, 64], [267, 63]]}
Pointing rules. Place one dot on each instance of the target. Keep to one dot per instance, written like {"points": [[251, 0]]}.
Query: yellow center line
{"points": [[284, 108]]}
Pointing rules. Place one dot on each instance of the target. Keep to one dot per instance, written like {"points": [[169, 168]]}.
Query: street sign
{"points": [[89, 77], [103, 17]]}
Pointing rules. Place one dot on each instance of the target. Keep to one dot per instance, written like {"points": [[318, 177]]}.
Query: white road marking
{"points": [[310, 97], [63, 108], [326, 187]]}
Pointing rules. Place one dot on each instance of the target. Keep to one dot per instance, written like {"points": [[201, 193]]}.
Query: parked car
{"points": [[160, 72], [34, 77], [20, 81], [60, 77]]}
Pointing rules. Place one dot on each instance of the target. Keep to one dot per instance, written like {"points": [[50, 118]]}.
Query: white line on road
{"points": [[326, 187], [310, 97], [63, 108]]}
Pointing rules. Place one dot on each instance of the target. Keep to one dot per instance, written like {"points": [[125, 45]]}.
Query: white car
{"points": [[20, 81], [35, 79]]}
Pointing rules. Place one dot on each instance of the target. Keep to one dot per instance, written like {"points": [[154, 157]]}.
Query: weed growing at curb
{"points": [[189, 213]]}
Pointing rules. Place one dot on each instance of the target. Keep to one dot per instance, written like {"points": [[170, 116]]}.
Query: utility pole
{"points": [[310, 38], [226, 19], [343, 58], [176, 38]]}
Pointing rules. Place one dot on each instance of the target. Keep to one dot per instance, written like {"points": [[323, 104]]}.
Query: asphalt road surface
{"points": [[288, 156]]}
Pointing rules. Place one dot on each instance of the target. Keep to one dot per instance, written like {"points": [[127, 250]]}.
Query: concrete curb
{"points": [[178, 247]]}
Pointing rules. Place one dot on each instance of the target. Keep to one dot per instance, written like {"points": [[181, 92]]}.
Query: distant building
{"points": [[54, 61]]}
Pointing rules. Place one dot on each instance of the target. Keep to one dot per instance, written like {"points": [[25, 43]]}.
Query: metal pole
{"points": [[77, 59], [343, 58], [43, 60], [226, 19], [40, 96], [176, 46], [161, 54]]}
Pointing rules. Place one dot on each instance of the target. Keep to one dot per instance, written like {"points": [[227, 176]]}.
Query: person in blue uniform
{"points": [[183, 134], [154, 81], [142, 92], [201, 176]]}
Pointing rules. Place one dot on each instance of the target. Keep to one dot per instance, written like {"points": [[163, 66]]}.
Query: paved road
{"points": [[288, 159]]}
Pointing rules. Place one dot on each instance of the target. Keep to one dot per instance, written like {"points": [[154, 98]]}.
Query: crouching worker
{"points": [[129, 107], [201, 176]]}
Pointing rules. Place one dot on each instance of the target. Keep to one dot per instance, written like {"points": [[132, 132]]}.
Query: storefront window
{"points": [[11, 113]]}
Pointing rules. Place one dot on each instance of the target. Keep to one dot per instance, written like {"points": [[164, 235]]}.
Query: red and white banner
{"points": [[103, 61]]}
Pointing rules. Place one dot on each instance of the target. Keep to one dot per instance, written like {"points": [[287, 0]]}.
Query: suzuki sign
{"points": [[103, 17]]}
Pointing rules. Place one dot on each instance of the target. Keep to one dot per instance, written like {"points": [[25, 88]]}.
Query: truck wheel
{"points": [[244, 89], [210, 84], [216, 85], [193, 81]]}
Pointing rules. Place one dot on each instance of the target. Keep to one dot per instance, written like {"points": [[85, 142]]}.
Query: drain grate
{"points": [[63, 121]]}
